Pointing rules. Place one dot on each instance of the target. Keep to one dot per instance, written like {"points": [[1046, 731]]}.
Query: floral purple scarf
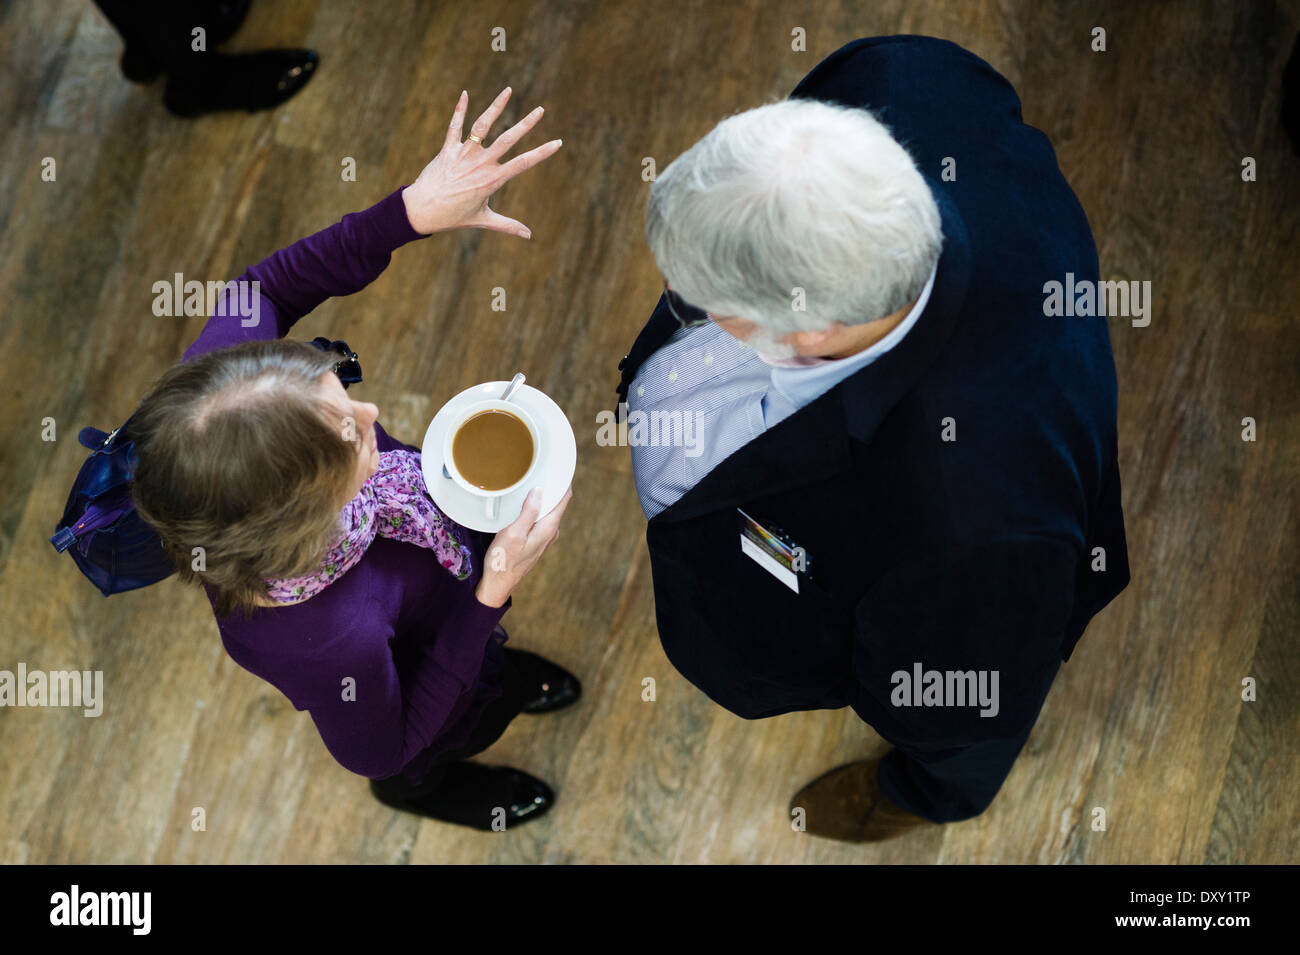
{"points": [[393, 502]]}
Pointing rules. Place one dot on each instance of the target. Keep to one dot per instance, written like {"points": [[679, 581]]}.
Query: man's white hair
{"points": [[795, 195]]}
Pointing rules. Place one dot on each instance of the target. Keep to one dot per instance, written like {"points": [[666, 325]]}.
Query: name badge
{"points": [[773, 550]]}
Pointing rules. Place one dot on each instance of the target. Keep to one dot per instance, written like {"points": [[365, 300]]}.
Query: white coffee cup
{"points": [[491, 499]]}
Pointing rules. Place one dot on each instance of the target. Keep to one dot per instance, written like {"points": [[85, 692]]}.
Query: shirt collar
{"points": [[802, 382]]}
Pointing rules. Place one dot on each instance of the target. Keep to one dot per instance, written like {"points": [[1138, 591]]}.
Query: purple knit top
{"points": [[396, 659]]}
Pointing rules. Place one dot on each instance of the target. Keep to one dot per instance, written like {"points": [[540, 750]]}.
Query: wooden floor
{"points": [[1146, 721]]}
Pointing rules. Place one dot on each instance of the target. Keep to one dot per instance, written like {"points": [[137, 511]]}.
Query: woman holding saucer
{"points": [[331, 573]]}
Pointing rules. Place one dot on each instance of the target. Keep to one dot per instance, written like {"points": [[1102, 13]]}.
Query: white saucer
{"points": [[554, 472]]}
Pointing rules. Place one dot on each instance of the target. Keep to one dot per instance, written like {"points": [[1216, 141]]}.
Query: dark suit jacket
{"points": [[968, 554]]}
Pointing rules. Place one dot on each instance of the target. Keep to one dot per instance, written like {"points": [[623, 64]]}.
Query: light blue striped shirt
{"points": [[704, 395]]}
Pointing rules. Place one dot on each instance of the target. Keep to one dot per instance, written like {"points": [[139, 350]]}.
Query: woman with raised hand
{"points": [[332, 574]]}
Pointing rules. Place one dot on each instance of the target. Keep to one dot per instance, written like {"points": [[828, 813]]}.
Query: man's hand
{"points": [[453, 191]]}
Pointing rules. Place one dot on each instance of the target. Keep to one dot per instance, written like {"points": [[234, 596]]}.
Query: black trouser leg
{"points": [[160, 37], [958, 787], [516, 690], [496, 717], [161, 31]]}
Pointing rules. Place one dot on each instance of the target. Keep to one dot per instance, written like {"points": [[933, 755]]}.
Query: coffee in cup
{"points": [[490, 449], [493, 449]]}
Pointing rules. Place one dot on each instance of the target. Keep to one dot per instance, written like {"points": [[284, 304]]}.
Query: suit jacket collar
{"points": [[652, 337], [813, 443]]}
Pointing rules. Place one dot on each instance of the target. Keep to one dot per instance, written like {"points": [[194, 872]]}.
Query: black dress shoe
{"points": [[250, 81], [557, 687], [474, 795], [222, 22]]}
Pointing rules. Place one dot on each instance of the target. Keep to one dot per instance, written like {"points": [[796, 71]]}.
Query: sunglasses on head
{"points": [[348, 367]]}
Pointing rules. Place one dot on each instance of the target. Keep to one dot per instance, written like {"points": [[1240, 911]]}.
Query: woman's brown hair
{"points": [[238, 456]]}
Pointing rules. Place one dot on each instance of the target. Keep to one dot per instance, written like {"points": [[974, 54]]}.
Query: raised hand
{"points": [[453, 190]]}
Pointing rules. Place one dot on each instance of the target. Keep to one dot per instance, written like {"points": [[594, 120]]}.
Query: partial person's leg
{"points": [[159, 37], [552, 686], [147, 28], [492, 724], [471, 794], [958, 787], [882, 798]]}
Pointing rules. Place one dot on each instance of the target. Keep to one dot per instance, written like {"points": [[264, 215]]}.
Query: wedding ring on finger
{"points": [[475, 139]]}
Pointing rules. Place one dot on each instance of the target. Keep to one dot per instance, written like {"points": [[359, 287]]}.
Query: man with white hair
{"points": [[903, 493]]}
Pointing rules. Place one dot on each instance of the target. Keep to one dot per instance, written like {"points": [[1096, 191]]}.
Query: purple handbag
{"points": [[109, 542]]}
